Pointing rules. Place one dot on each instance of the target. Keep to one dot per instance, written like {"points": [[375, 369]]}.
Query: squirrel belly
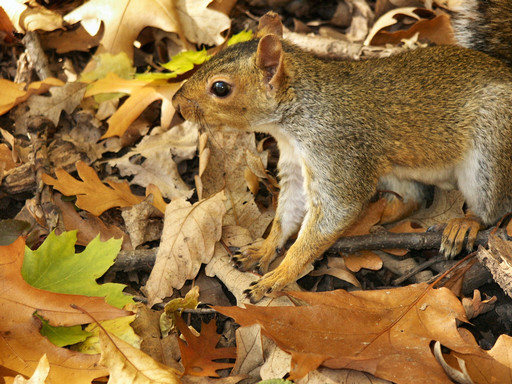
{"points": [[440, 115]]}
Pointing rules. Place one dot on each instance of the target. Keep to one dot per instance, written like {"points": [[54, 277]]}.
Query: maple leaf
{"points": [[199, 353], [55, 267], [125, 19], [21, 344], [143, 93], [386, 333], [188, 239], [127, 364], [14, 93], [92, 194]]}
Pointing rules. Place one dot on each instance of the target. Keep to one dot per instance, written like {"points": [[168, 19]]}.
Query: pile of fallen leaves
{"points": [[111, 207]]}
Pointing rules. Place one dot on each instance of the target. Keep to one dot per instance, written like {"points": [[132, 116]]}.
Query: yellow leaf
{"points": [[127, 364]]}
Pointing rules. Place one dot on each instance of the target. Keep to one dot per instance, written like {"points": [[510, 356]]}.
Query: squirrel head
{"points": [[241, 87]]}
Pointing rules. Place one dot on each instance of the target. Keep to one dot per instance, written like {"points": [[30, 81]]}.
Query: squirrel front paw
{"points": [[258, 255], [455, 233], [273, 281]]}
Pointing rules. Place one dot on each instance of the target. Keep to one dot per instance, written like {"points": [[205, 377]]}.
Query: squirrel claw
{"points": [[454, 234], [235, 250]]}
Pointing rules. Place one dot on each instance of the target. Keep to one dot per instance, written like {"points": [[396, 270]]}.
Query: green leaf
{"points": [[240, 37], [119, 327], [55, 267], [11, 229], [62, 336], [185, 61]]}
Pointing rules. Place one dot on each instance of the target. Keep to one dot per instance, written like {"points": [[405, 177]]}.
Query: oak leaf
{"points": [[226, 171], [124, 20], [92, 195], [188, 239], [386, 333], [155, 160], [199, 353], [21, 344], [65, 98]]}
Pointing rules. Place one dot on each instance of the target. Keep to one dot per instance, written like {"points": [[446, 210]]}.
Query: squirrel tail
{"points": [[485, 25]]}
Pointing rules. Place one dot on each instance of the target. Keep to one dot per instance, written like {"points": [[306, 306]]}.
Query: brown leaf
{"points": [[21, 344], [437, 30], [363, 259], [92, 195], [368, 219], [494, 366], [128, 364], [404, 226], [199, 353], [386, 333], [188, 239], [225, 171], [446, 205], [88, 228]]}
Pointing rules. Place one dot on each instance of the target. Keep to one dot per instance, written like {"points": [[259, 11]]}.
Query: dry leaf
{"points": [[154, 160], [438, 31], [446, 205], [199, 354], [21, 344], [39, 376], [92, 195], [31, 17], [124, 20], [14, 93], [127, 364], [225, 170], [142, 93], [370, 331], [389, 19], [188, 239], [89, 227], [65, 98]]}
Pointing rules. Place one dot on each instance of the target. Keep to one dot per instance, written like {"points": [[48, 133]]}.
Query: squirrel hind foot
{"points": [[455, 232]]}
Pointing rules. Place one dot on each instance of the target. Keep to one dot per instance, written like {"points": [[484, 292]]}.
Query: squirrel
{"points": [[439, 115]]}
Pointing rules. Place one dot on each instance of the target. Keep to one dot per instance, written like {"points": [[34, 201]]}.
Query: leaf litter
{"points": [[228, 181]]}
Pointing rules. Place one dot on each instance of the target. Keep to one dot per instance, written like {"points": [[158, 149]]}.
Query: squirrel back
{"points": [[485, 25]]}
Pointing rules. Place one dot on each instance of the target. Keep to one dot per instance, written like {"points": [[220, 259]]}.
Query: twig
{"points": [[144, 259], [37, 56]]}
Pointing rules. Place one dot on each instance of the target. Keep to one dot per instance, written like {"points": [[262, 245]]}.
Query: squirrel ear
{"points": [[269, 58], [269, 23]]}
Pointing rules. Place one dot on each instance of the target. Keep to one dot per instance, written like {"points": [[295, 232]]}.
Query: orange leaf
{"points": [[142, 94], [21, 344], [13, 94], [92, 195], [199, 353], [386, 333]]}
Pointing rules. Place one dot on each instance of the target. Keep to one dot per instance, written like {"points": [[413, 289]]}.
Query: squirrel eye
{"points": [[221, 88]]}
